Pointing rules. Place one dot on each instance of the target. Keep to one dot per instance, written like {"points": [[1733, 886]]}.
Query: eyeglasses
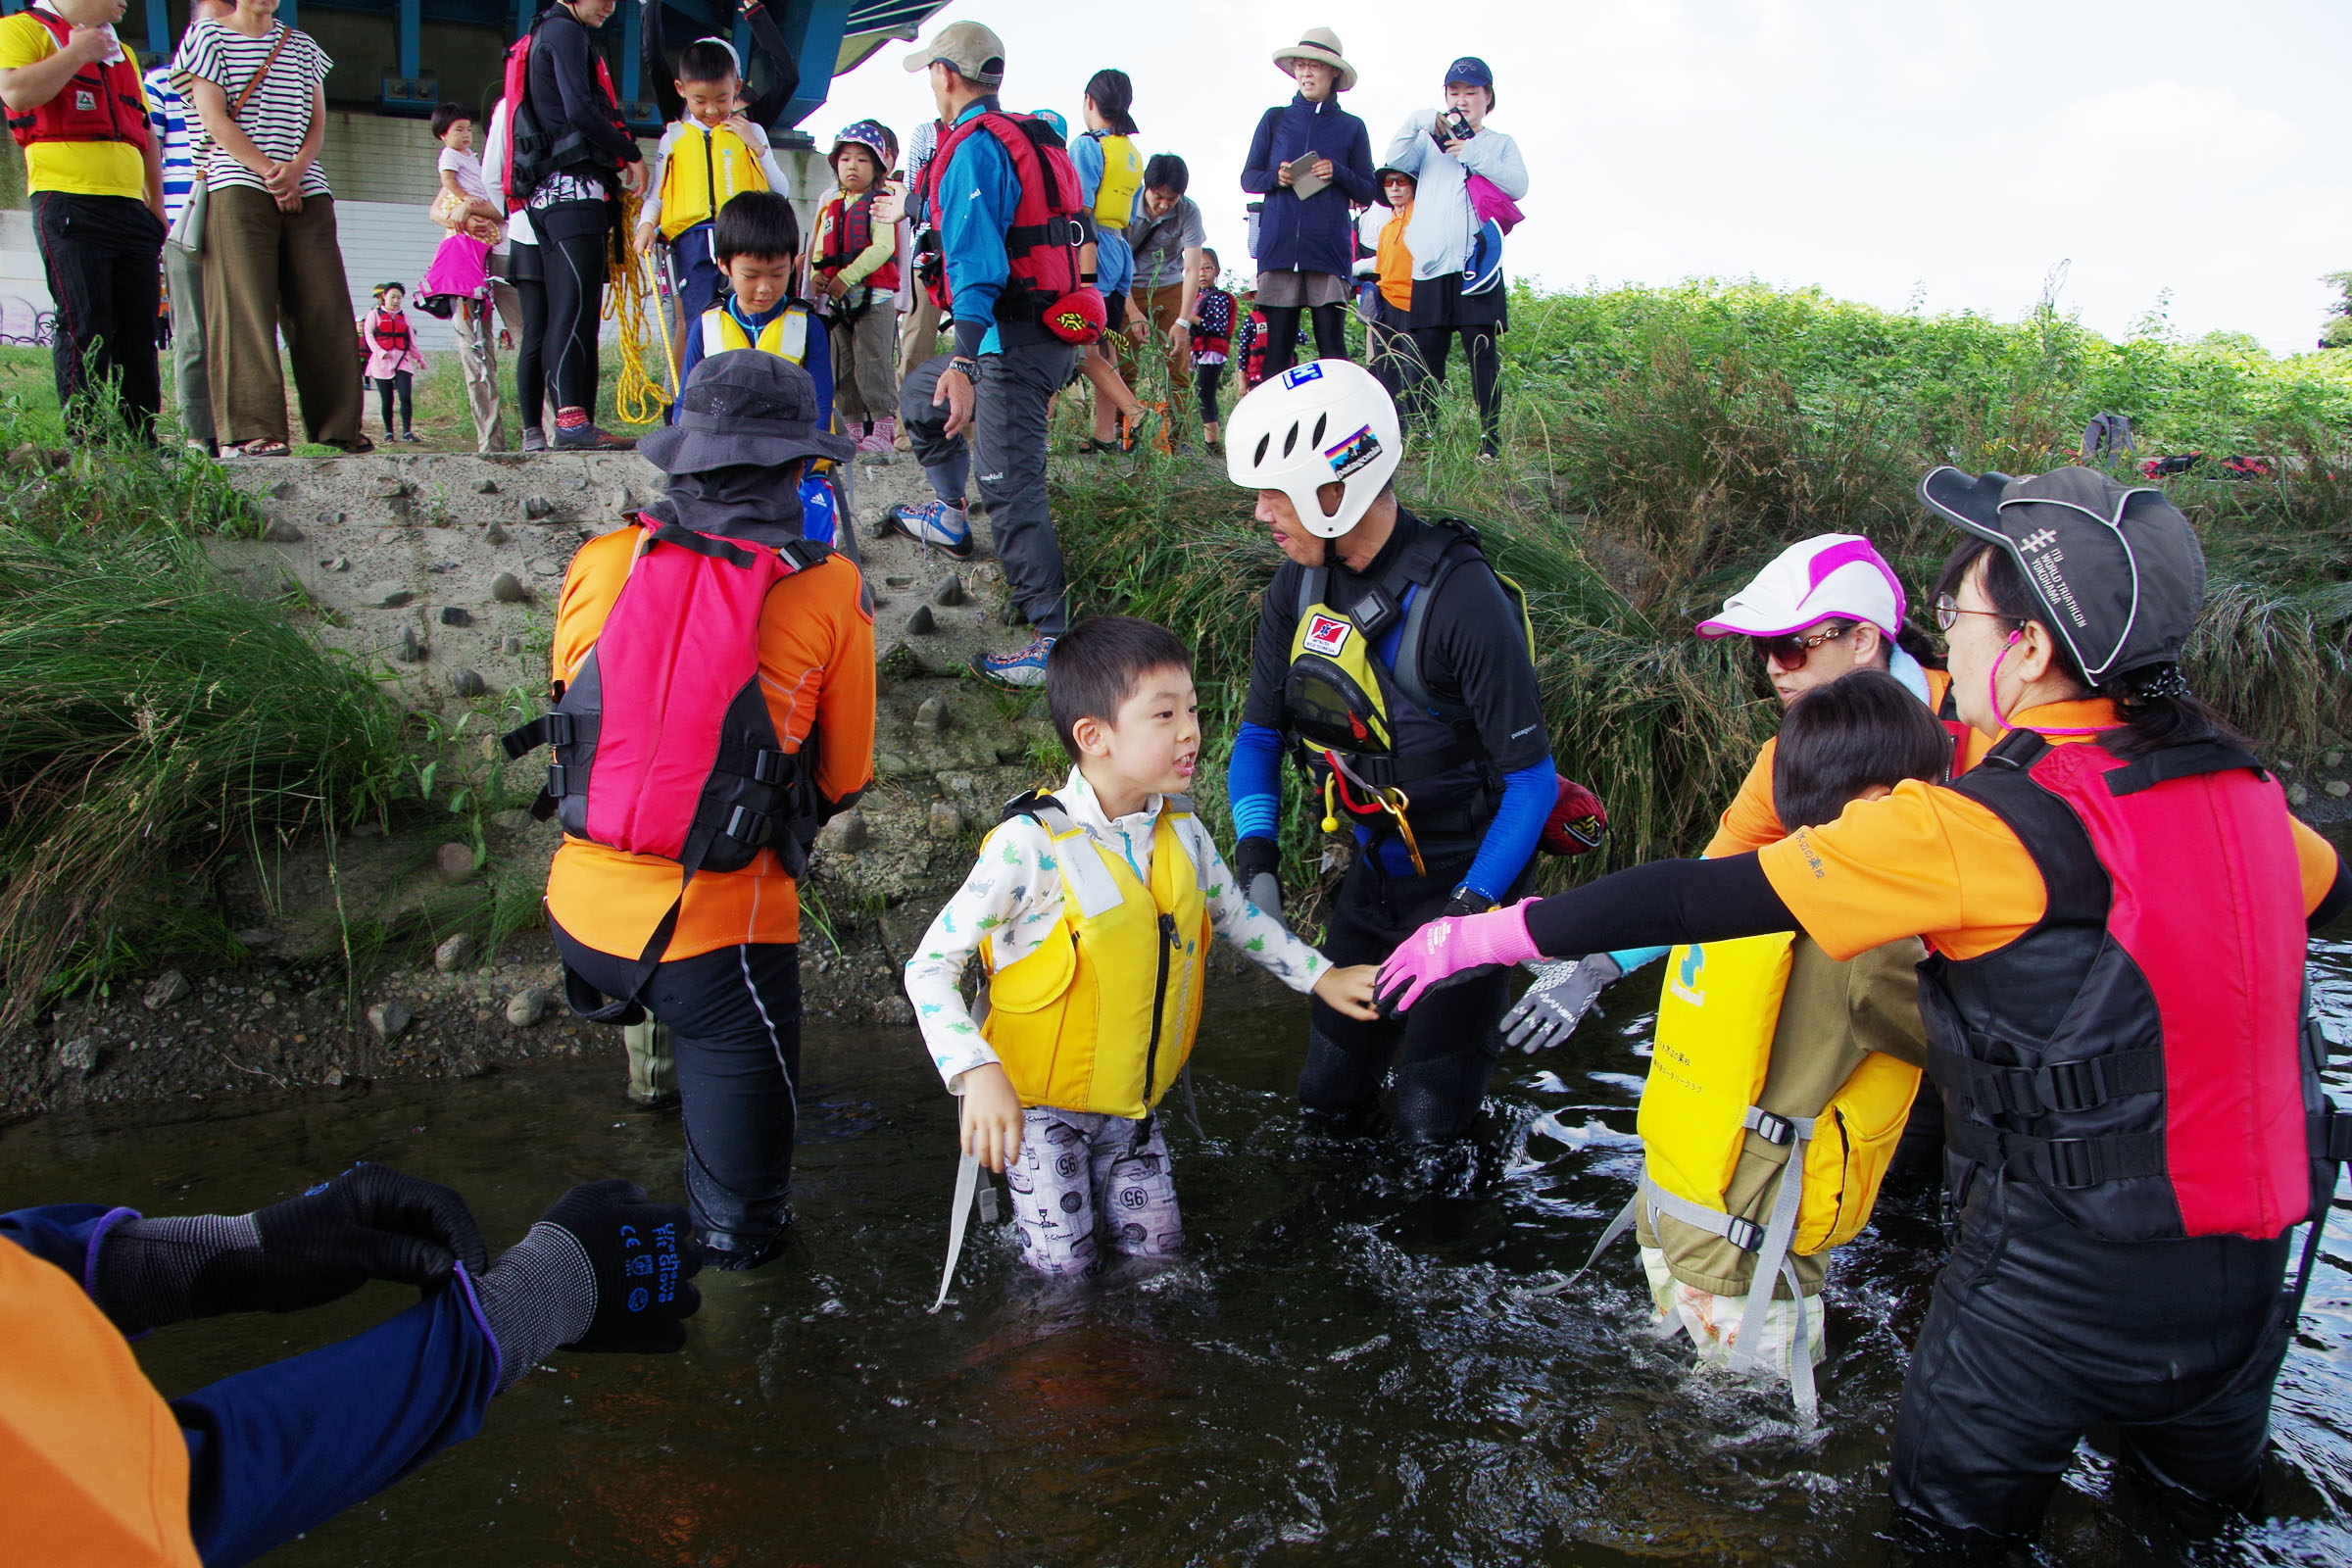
{"points": [[1793, 649], [1949, 613]]}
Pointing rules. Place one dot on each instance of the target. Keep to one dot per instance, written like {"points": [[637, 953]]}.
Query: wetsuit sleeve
{"points": [[1663, 901], [282, 1448], [1258, 934], [654, 55], [996, 896], [1253, 783], [584, 108], [767, 42], [1482, 660], [1270, 653], [2326, 889], [1257, 169], [1528, 796], [1750, 821]]}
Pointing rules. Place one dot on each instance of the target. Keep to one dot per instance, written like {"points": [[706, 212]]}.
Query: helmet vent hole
{"points": [[1289, 442], [1322, 423], [1264, 442]]}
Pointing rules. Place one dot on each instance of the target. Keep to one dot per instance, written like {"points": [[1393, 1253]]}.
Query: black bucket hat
{"points": [[2117, 569], [744, 408]]}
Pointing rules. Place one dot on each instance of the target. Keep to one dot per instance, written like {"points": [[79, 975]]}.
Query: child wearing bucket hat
{"points": [[1305, 243]]}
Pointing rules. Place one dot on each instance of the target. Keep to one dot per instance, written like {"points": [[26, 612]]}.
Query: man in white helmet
{"points": [[1394, 666]]}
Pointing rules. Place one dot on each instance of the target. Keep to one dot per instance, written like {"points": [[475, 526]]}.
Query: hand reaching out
{"points": [[1348, 991], [992, 1116]]}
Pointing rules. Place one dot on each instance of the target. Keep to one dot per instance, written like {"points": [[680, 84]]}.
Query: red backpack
{"points": [[97, 103], [663, 742], [531, 153], [1048, 225]]}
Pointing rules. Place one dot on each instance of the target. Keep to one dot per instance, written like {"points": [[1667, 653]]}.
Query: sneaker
{"points": [[588, 438], [933, 524], [1020, 672], [412, 438], [534, 439]]}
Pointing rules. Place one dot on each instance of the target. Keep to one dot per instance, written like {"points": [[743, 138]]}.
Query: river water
{"points": [[1339, 1372]]}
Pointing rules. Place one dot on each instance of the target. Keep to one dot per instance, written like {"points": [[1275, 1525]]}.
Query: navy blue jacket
{"points": [[1317, 234]]}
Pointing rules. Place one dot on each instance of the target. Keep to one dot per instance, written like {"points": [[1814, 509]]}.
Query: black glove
{"points": [[369, 1223], [1257, 861], [603, 1270]]}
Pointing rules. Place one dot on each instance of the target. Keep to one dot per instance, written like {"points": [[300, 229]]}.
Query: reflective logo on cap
{"points": [[1300, 375], [1352, 453]]}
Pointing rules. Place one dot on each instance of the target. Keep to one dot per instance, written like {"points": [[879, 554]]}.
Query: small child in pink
{"points": [[392, 356]]}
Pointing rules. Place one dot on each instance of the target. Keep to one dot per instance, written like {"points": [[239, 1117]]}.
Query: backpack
{"points": [[531, 153], [1048, 224], [664, 743]]}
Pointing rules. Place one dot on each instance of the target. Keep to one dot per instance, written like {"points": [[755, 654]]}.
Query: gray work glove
{"points": [[1563, 992], [1257, 858]]}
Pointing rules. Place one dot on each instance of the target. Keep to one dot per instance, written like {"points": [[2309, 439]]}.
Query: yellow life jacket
{"points": [[787, 334], [1718, 1014], [1100, 1014], [1122, 177], [707, 166]]}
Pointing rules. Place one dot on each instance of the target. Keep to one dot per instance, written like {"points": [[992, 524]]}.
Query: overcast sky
{"points": [[1950, 153]]}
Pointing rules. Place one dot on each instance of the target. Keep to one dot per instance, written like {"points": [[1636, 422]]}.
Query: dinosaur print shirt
{"points": [[1014, 897]]}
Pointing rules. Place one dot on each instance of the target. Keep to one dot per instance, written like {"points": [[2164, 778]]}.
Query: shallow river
{"points": [[1338, 1373]]}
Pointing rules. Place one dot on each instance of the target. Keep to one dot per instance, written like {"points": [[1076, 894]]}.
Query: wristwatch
{"points": [[1467, 900], [965, 366]]}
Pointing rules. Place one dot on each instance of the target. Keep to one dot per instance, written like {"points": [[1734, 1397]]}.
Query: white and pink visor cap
{"points": [[1830, 576]]}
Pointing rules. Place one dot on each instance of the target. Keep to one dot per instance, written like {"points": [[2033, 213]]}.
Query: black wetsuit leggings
{"points": [[1282, 334], [574, 240], [530, 353], [400, 384], [2041, 1330], [1442, 1051]]}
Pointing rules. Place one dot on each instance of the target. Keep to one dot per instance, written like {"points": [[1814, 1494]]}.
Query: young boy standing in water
{"points": [[1091, 910]]}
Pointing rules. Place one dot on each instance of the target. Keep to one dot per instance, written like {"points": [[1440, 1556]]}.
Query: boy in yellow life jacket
{"points": [[1771, 1055], [710, 155], [1091, 910], [758, 243]]}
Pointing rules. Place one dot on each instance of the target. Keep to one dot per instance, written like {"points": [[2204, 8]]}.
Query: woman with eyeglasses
{"points": [[2117, 901]]}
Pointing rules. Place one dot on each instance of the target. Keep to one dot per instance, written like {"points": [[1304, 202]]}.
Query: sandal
{"points": [[263, 447], [358, 447]]}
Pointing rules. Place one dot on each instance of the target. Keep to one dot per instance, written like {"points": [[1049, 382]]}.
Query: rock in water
{"points": [[527, 1006], [454, 954], [79, 1056], [165, 990], [455, 863], [389, 1020]]}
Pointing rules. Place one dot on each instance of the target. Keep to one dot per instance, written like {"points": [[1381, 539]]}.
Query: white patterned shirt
{"points": [[1013, 899]]}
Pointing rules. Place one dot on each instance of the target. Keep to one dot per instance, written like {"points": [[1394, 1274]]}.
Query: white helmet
{"points": [[1315, 423]]}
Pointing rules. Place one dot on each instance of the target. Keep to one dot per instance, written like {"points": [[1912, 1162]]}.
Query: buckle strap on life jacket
{"points": [[2070, 1086], [2331, 1135], [2068, 1164], [2180, 762]]}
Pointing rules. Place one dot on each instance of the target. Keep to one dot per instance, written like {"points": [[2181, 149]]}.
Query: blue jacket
{"points": [[1317, 234]]}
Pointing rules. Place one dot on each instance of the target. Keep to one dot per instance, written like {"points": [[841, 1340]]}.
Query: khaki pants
{"points": [[183, 280], [264, 268], [1162, 307], [476, 329], [918, 332], [865, 381], [653, 1067]]}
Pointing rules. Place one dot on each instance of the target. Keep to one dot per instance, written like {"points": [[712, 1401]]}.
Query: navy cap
{"points": [[1472, 69]]}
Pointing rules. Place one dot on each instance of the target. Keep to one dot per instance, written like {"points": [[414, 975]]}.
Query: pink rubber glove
{"points": [[1444, 948]]}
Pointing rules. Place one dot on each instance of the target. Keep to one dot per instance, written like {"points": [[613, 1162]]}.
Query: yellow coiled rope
{"points": [[639, 399]]}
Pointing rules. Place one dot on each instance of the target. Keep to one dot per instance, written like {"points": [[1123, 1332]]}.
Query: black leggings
{"points": [[530, 353], [1282, 334], [1431, 345], [400, 382], [1207, 379], [574, 240]]}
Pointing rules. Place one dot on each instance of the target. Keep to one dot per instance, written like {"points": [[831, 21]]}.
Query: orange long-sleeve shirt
{"points": [[816, 621]]}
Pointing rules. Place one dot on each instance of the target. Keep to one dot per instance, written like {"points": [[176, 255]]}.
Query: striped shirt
{"points": [[168, 118], [279, 114]]}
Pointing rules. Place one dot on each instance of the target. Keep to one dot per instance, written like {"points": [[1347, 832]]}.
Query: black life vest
{"points": [[2139, 1055], [1376, 719], [97, 103]]}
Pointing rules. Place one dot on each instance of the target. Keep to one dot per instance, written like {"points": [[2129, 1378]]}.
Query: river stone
{"points": [[947, 819], [453, 862], [527, 1006], [456, 616], [256, 937], [79, 1055], [454, 954], [949, 591], [920, 622], [386, 596], [931, 715], [846, 832], [281, 532], [510, 644], [2337, 789], [514, 820], [2297, 794], [330, 518], [390, 487], [488, 487], [547, 567], [894, 1008], [165, 990], [333, 1078], [1012, 752], [508, 589], [466, 683], [339, 564], [390, 1019], [494, 533], [409, 648], [536, 507], [2334, 760]]}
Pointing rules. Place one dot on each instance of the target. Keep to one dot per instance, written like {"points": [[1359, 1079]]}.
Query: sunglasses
{"points": [[1949, 613], [1795, 648]]}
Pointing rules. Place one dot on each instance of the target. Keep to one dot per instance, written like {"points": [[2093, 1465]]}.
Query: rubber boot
{"points": [[652, 1071]]}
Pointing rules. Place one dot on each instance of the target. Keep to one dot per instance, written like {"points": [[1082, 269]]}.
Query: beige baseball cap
{"points": [[976, 53]]}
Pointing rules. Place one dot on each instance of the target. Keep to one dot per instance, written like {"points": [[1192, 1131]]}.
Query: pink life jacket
{"points": [[664, 743], [2137, 1056]]}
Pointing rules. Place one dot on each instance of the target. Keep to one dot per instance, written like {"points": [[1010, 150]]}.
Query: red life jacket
{"points": [[533, 154], [663, 742], [389, 331], [844, 231], [1048, 222], [97, 103], [1215, 336], [2136, 1055]]}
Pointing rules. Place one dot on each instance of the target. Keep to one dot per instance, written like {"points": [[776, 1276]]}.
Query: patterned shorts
{"points": [[1080, 1177]]}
